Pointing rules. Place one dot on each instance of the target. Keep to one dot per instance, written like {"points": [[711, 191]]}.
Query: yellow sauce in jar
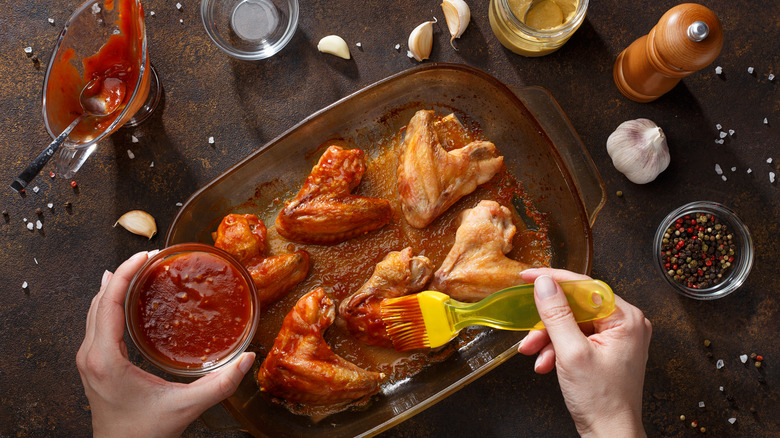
{"points": [[535, 28]]}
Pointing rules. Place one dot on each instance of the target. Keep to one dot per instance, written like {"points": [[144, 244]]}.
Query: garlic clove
{"points": [[138, 222], [421, 41], [457, 15], [334, 45], [638, 150]]}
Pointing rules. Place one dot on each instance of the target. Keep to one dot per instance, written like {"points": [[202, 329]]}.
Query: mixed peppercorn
{"points": [[698, 250]]}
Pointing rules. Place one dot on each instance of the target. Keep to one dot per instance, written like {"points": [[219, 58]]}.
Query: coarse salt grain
{"points": [[766, 122], [718, 127], [50, 205], [701, 404], [771, 77], [24, 285], [722, 134], [130, 154], [769, 160], [151, 13], [718, 170], [720, 388], [723, 177], [733, 169], [24, 219], [718, 70], [743, 358], [749, 170], [30, 226], [28, 50], [397, 46], [51, 21], [178, 6], [35, 260], [38, 225], [179, 204], [181, 21], [359, 44], [134, 139], [731, 132], [409, 54], [151, 164], [771, 177], [732, 420], [719, 141], [211, 140], [719, 364], [36, 189], [750, 70]]}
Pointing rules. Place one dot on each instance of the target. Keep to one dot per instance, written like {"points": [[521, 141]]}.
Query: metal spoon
{"points": [[99, 98]]}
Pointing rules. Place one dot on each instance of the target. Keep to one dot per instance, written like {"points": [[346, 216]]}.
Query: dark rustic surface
{"points": [[246, 104]]}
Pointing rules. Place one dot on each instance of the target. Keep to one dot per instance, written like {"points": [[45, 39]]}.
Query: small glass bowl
{"points": [[743, 259], [250, 29], [133, 319]]}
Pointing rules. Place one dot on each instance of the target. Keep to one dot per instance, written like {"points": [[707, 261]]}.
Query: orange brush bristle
{"points": [[405, 324]]}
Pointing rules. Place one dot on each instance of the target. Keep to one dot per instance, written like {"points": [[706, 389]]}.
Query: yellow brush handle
{"points": [[514, 308]]}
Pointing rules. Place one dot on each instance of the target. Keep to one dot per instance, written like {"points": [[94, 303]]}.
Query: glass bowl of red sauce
{"points": [[703, 250], [191, 309]]}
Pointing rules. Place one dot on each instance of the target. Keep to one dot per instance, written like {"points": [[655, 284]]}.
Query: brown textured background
{"points": [[245, 104]]}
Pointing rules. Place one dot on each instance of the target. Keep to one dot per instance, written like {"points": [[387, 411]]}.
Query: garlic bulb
{"points": [[334, 45], [457, 15], [638, 150], [138, 222], [421, 41]]}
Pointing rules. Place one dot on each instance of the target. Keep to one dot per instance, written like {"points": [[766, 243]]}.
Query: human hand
{"points": [[601, 364], [125, 400]]}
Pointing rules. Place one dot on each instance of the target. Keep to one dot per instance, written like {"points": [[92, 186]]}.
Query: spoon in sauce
{"points": [[100, 97]]}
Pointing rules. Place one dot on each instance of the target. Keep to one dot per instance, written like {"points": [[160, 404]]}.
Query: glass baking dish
{"points": [[540, 148]]}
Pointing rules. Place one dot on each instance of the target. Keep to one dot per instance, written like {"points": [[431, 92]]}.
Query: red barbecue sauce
{"points": [[193, 309], [119, 57]]}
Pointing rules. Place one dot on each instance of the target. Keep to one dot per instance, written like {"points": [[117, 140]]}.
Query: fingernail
{"points": [[520, 346], [104, 280], [246, 362], [528, 270], [138, 255], [152, 253], [545, 287]]}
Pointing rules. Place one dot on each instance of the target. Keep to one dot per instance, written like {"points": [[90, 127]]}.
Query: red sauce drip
{"points": [[119, 58], [193, 309]]}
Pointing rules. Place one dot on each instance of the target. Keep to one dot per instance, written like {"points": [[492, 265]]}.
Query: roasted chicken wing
{"points": [[476, 265], [243, 236], [398, 274], [430, 179], [324, 211], [302, 368]]}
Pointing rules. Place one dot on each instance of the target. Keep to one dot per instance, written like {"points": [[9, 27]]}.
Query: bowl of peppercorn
{"points": [[703, 250]]}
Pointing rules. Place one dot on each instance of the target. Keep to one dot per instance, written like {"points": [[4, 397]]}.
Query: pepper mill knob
{"points": [[687, 38]]}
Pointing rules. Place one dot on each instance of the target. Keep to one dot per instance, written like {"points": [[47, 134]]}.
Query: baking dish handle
{"points": [[571, 149]]}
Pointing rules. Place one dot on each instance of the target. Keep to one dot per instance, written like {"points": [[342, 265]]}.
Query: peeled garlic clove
{"points": [[638, 150], [421, 41], [138, 222], [335, 45], [457, 15]]}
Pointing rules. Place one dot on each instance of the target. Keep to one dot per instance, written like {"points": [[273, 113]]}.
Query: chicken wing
{"points": [[302, 368], [324, 211], [243, 236], [398, 274], [430, 179], [476, 265]]}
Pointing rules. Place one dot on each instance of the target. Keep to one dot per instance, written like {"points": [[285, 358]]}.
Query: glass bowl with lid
{"points": [[191, 309], [703, 250], [250, 30]]}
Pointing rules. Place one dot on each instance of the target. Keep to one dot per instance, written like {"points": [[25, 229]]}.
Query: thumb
{"points": [[213, 388], [555, 312]]}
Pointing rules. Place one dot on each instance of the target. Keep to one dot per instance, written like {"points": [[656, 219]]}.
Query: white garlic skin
{"points": [[457, 15], [638, 150], [138, 222], [421, 41]]}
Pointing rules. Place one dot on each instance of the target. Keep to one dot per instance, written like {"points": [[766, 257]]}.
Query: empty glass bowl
{"points": [[740, 261], [250, 29]]}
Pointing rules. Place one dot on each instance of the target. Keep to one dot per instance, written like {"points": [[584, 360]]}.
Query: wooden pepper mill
{"points": [[687, 38]]}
